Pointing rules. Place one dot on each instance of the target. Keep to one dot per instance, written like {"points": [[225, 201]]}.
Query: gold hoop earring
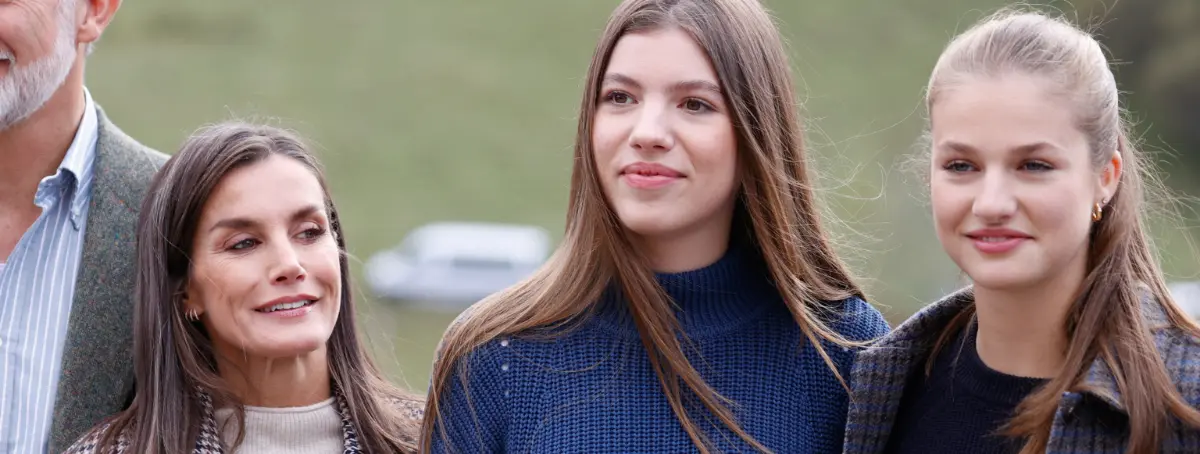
{"points": [[1097, 212]]}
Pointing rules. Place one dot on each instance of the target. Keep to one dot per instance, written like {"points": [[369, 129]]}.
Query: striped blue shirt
{"points": [[37, 283]]}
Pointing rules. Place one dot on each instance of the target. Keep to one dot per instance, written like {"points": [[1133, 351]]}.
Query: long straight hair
{"points": [[1105, 320], [174, 357], [776, 199]]}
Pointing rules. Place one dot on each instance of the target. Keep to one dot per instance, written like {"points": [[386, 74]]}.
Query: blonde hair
{"points": [[777, 209], [1105, 321]]}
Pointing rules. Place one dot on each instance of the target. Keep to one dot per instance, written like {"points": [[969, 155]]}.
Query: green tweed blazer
{"points": [[97, 361]]}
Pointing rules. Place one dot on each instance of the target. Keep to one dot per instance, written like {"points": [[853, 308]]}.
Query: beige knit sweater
{"points": [[312, 429]]}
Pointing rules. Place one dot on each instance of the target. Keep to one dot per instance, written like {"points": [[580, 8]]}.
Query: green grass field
{"points": [[428, 111]]}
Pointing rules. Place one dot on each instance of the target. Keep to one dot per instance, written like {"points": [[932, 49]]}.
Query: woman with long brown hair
{"points": [[1067, 341], [244, 328], [695, 303]]}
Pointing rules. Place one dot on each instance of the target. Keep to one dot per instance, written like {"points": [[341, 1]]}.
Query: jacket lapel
{"points": [[349, 435], [97, 369], [880, 373]]}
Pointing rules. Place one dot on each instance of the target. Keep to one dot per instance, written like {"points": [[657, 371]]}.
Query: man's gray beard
{"points": [[25, 89]]}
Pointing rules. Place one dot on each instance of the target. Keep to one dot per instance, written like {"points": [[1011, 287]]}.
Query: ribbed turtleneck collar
{"points": [[710, 299]]}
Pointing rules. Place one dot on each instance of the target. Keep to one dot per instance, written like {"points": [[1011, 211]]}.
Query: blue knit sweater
{"points": [[592, 389]]}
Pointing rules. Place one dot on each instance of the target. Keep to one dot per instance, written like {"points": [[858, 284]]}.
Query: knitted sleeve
{"points": [[861, 321], [473, 407]]}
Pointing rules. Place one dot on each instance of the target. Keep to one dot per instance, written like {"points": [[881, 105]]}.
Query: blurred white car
{"points": [[1187, 296], [450, 265]]}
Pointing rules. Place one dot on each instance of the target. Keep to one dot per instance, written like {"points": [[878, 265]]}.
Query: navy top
{"points": [[592, 388], [961, 406]]}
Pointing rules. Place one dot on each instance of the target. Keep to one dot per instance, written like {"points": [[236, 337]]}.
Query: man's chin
{"points": [[17, 107]]}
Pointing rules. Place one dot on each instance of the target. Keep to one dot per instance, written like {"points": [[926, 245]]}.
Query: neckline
{"points": [[709, 300], [981, 380], [289, 410]]}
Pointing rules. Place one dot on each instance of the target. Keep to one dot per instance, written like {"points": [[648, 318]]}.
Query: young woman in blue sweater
{"points": [[695, 304]]}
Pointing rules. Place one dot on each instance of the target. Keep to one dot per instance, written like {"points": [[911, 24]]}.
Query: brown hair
{"points": [[777, 206], [1105, 321], [173, 356]]}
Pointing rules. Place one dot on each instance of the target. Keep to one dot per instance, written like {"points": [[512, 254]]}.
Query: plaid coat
{"points": [[1084, 422], [209, 440]]}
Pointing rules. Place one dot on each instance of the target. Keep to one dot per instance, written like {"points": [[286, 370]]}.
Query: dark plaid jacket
{"points": [[209, 440], [1085, 421]]}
